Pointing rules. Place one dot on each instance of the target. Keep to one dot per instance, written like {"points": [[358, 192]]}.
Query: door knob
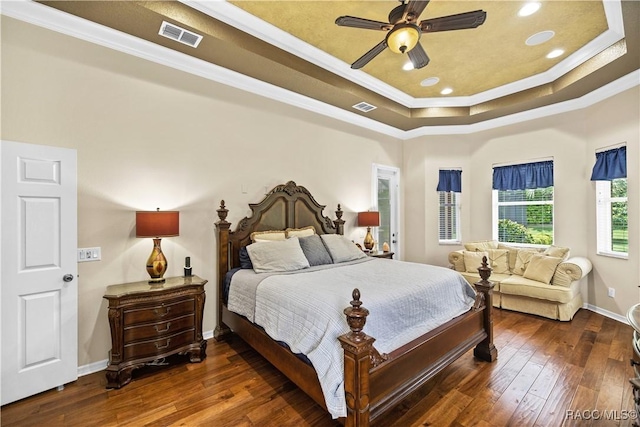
{"points": [[67, 277]]}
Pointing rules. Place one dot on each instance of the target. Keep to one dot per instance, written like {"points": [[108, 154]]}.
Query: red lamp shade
{"points": [[368, 219], [157, 223]]}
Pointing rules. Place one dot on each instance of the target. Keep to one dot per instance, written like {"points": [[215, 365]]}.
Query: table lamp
{"points": [[157, 224], [368, 219]]}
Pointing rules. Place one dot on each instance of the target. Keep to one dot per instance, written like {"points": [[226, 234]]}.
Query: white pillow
{"points": [[341, 249], [300, 232], [270, 235], [277, 255]]}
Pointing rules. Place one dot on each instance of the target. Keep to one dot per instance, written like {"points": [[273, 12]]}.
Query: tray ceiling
{"points": [[295, 45]]}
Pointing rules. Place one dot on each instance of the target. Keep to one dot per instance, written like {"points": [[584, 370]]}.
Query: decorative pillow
{"points": [[481, 245], [280, 255], [314, 250], [557, 251], [300, 232], [499, 260], [513, 254], [245, 260], [541, 268], [261, 236], [341, 249], [473, 260], [522, 260]]}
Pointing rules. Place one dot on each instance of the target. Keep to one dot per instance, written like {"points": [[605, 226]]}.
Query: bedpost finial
{"points": [[339, 212], [222, 212], [356, 317], [484, 269]]}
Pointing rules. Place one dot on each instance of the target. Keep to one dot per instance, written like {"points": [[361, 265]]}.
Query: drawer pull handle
{"points": [[165, 329], [160, 347], [167, 310]]}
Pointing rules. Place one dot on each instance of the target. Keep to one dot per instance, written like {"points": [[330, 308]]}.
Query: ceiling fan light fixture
{"points": [[403, 37]]}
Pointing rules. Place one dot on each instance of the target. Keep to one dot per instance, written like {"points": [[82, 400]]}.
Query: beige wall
{"points": [[148, 136], [571, 140]]}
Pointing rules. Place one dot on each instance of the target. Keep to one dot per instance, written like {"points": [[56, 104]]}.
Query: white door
{"points": [[38, 291], [386, 199]]}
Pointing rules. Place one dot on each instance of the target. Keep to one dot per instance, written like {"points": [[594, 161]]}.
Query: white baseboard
{"points": [[102, 364], [606, 313]]}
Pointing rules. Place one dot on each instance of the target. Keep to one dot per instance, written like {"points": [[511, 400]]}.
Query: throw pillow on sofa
{"points": [[541, 268], [557, 251], [522, 260], [473, 260], [481, 245], [499, 260]]}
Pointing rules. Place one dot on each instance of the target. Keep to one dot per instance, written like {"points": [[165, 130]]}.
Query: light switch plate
{"points": [[89, 254]]}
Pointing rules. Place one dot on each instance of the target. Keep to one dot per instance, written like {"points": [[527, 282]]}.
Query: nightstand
{"points": [[149, 323], [380, 254]]}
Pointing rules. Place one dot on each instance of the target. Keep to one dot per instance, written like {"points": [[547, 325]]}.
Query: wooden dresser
{"points": [[149, 323]]}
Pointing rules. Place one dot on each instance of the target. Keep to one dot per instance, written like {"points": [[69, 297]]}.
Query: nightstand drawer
{"points": [[162, 312], [155, 330], [158, 346]]}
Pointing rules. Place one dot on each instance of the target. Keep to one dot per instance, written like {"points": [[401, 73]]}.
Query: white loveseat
{"points": [[541, 282]]}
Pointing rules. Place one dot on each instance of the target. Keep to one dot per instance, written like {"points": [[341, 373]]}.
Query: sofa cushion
{"points": [[473, 260], [516, 285], [495, 278], [499, 260], [541, 268], [522, 260], [481, 245]]}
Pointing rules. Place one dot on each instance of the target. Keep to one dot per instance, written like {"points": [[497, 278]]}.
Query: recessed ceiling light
{"points": [[555, 53], [446, 91], [540, 38], [430, 81], [529, 8], [408, 66]]}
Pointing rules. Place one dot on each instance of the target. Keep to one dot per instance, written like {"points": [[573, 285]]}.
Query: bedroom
{"points": [[137, 125]]}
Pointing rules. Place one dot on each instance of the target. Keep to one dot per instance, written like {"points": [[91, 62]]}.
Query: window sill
{"points": [[450, 242], [618, 255]]}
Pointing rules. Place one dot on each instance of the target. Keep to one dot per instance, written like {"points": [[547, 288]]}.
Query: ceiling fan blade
{"points": [[418, 57], [364, 59], [367, 24], [413, 10], [460, 21]]}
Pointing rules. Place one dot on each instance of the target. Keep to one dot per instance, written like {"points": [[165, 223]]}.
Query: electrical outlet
{"points": [[89, 254], [612, 293]]}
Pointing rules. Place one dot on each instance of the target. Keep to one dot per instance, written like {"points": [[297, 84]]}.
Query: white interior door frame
{"points": [[392, 174]]}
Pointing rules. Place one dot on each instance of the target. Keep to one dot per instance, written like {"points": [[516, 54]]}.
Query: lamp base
{"points": [[156, 264], [368, 242]]}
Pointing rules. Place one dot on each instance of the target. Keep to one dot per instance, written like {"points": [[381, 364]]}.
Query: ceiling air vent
{"points": [[178, 34], [364, 107]]}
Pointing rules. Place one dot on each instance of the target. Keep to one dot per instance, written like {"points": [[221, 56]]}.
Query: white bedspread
{"points": [[305, 310]]}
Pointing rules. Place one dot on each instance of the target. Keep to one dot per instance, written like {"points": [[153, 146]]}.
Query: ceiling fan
{"points": [[404, 30]]}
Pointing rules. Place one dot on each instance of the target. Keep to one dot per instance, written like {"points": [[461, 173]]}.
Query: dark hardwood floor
{"points": [[544, 369]]}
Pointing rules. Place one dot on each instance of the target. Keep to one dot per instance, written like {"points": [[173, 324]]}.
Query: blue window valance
{"points": [[610, 164], [450, 180], [523, 176]]}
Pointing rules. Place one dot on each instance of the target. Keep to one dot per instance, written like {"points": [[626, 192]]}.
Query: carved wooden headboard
{"points": [[286, 206]]}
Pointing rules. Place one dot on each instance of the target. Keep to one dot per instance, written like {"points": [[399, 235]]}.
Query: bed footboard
{"points": [[373, 382]]}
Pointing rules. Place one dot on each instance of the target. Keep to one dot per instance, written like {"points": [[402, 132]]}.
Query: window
{"points": [[523, 203], [611, 217], [525, 216], [449, 217], [610, 174], [449, 187]]}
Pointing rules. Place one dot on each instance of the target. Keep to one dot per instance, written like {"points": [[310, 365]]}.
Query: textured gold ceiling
{"points": [[469, 61]]}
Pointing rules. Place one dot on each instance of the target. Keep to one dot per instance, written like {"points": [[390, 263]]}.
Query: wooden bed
{"points": [[373, 383]]}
